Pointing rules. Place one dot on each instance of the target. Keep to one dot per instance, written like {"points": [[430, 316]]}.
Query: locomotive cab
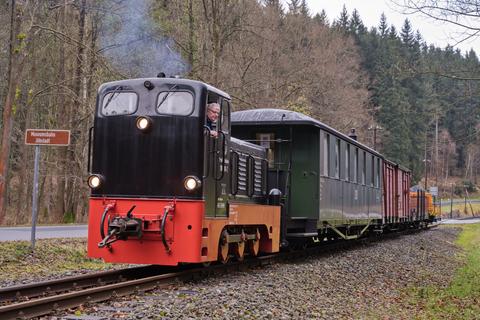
{"points": [[160, 173]]}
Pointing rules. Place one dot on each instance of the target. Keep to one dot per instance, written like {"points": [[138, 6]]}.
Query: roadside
{"points": [[460, 208], [53, 258], [468, 220], [460, 298], [43, 232]]}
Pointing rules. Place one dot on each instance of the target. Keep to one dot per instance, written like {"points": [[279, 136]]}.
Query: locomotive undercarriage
{"points": [[238, 241]]}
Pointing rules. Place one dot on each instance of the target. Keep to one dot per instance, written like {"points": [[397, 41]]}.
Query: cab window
{"points": [[119, 103], [178, 103], [224, 116]]}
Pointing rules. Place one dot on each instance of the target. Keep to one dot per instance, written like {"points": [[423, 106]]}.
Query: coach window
{"points": [[355, 166], [267, 140], [347, 162], [326, 148], [377, 174], [364, 167], [178, 103], [119, 103], [337, 158], [372, 182]]}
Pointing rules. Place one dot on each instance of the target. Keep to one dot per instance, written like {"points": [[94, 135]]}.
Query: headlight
{"points": [[95, 181], [191, 183], [144, 123]]}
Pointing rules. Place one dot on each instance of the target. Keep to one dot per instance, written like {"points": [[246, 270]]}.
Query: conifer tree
{"points": [[321, 18], [343, 20], [355, 24], [383, 27]]}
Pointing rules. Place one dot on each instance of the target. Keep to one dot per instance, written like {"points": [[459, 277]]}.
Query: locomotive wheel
{"points": [[223, 248], [254, 245], [239, 250]]}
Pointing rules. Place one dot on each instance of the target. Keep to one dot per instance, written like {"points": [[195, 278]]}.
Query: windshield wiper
{"points": [[113, 93], [166, 95]]}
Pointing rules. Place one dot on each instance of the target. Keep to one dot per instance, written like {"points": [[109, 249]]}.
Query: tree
{"points": [[17, 54], [355, 24], [383, 27], [321, 18], [343, 20], [407, 34], [462, 13]]}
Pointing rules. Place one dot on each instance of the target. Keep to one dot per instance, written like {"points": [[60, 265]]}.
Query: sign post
{"points": [[35, 195], [38, 137]]}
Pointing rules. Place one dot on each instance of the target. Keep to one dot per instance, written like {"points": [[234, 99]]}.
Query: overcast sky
{"points": [[439, 34]]}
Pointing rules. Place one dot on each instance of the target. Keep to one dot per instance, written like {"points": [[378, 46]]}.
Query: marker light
{"points": [[191, 183], [143, 123], [95, 181]]}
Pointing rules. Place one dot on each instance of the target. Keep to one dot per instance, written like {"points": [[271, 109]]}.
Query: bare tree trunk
{"points": [[15, 67], [26, 167], [64, 119], [191, 34], [72, 167]]}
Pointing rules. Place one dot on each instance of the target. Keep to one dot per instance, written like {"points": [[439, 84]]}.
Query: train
{"points": [[166, 191]]}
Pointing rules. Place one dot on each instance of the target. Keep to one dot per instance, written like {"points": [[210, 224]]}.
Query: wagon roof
{"points": [[287, 117]]}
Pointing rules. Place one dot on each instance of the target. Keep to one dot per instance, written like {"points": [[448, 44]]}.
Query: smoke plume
{"points": [[135, 45]]}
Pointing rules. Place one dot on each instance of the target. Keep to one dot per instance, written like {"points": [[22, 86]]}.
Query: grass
{"points": [[460, 208], [51, 256], [461, 298]]}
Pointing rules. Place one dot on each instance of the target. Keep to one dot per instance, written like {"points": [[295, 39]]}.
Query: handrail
{"points": [[208, 131], [90, 131], [224, 144], [162, 229], [102, 243]]}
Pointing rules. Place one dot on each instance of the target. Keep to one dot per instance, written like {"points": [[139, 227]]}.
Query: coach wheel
{"points": [[239, 250], [223, 248], [254, 245]]}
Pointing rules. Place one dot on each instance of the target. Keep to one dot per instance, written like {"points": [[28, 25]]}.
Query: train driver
{"points": [[213, 111]]}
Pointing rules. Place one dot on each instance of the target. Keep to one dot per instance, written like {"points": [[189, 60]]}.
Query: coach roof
{"points": [[287, 117]]}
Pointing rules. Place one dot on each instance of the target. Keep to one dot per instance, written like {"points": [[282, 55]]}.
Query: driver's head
{"points": [[213, 111]]}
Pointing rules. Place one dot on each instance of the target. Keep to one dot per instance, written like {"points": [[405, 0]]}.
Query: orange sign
{"points": [[47, 137]]}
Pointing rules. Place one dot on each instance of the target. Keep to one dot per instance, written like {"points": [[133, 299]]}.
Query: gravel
{"points": [[368, 281]]}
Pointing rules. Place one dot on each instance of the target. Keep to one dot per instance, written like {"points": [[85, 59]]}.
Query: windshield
{"points": [[175, 103], [119, 103]]}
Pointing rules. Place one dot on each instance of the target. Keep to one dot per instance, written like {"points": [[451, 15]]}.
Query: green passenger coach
{"points": [[331, 184]]}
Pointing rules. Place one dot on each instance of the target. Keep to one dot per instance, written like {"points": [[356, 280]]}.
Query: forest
{"points": [[416, 103]]}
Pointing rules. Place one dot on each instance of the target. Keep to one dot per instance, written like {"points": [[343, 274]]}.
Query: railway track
{"points": [[37, 299]]}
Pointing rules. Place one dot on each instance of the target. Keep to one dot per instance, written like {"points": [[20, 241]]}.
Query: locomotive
{"points": [[165, 191]]}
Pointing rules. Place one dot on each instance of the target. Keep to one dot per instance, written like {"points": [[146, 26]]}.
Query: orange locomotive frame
{"points": [[191, 237]]}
